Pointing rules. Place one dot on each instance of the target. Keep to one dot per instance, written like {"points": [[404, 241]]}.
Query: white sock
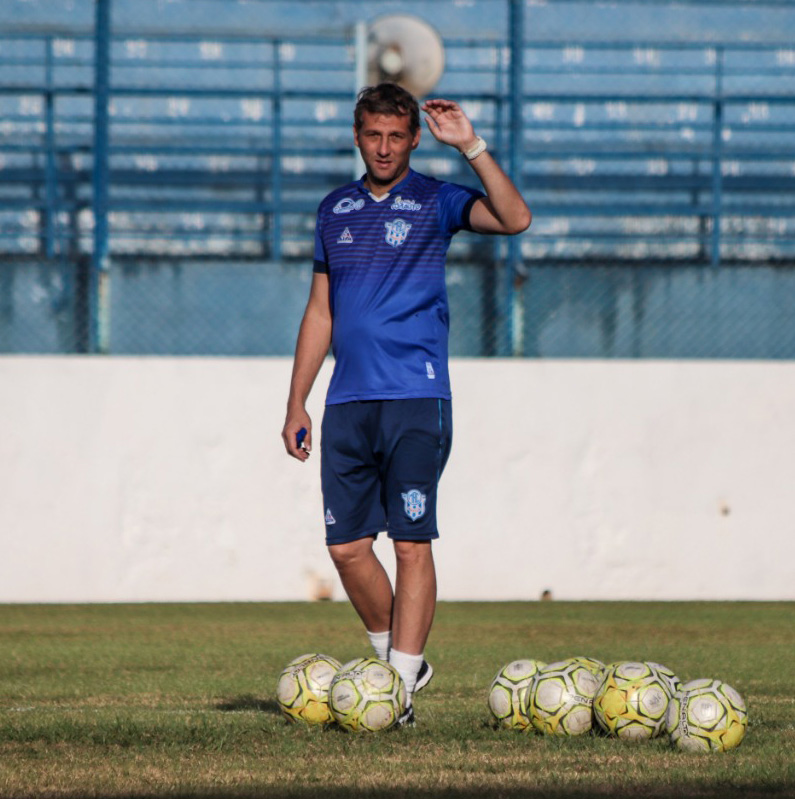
{"points": [[382, 643], [408, 667]]}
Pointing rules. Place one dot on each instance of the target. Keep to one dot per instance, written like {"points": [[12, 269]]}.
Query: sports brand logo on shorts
{"points": [[329, 519], [396, 232], [414, 504]]}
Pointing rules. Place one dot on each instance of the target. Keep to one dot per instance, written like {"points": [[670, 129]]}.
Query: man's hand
{"points": [[502, 210], [294, 423], [449, 124]]}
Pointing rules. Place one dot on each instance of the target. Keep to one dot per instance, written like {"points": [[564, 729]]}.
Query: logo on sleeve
{"points": [[346, 205], [414, 504], [345, 237], [396, 232]]}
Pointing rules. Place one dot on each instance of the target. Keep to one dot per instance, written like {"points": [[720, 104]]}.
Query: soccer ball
{"points": [[367, 695], [632, 700], [302, 690], [559, 700], [506, 690], [667, 676], [596, 667], [706, 715]]}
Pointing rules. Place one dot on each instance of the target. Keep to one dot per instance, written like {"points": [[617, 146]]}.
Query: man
{"points": [[378, 299]]}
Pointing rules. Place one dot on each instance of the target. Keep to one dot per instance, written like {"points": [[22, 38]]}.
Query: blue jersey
{"points": [[386, 266]]}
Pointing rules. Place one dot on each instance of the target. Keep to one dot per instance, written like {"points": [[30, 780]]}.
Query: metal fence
{"points": [[159, 174]]}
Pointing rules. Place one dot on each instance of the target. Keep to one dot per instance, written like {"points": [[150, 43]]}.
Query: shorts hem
{"points": [[347, 539], [400, 535]]}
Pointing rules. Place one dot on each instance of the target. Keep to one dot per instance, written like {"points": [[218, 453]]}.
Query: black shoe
{"points": [[424, 676], [406, 718]]}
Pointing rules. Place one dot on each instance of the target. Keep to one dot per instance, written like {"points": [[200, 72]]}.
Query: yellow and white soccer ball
{"points": [[596, 667], [667, 675], [302, 690], [506, 690], [559, 700], [706, 716], [367, 695], [632, 700]]}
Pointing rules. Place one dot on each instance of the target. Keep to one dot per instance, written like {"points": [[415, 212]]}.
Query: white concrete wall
{"points": [[165, 479]]}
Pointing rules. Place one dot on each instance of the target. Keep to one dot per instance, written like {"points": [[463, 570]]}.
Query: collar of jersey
{"points": [[410, 176]]}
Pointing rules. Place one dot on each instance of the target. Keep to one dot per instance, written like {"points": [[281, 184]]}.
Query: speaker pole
{"points": [[360, 45], [516, 271]]}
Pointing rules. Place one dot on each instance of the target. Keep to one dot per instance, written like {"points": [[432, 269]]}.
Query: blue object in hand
{"points": [[300, 436]]}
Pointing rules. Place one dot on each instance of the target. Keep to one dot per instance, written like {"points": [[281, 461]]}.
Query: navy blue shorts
{"points": [[380, 464]]}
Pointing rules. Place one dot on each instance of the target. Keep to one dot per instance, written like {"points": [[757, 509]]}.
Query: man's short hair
{"points": [[387, 98]]}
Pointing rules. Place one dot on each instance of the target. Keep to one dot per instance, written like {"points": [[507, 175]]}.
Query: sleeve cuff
{"points": [[467, 211]]}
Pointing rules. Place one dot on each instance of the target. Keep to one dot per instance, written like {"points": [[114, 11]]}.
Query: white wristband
{"points": [[473, 152]]}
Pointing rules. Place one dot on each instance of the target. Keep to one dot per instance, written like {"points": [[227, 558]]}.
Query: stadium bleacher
{"points": [[634, 152]]}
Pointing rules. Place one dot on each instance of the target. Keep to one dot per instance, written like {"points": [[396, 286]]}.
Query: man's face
{"points": [[385, 142]]}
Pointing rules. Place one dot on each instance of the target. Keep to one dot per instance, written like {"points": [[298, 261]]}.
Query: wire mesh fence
{"points": [[160, 168]]}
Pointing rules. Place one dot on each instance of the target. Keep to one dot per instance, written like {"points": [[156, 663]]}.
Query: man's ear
{"points": [[355, 136], [416, 140]]}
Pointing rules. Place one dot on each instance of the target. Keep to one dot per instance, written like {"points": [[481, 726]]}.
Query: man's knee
{"points": [[413, 553], [351, 553]]}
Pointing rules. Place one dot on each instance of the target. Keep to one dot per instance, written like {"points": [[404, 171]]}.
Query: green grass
{"points": [[178, 701]]}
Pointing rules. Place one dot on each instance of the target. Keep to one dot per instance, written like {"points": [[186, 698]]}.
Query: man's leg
{"points": [[420, 433], [412, 615], [365, 581], [351, 483], [415, 596]]}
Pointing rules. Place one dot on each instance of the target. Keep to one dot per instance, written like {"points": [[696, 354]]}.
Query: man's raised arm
{"points": [[502, 210]]}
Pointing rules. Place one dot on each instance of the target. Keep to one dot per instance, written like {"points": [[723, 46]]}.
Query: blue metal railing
{"points": [[156, 144], [285, 112]]}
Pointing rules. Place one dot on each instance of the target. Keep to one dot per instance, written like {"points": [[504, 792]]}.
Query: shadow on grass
{"points": [[248, 702]]}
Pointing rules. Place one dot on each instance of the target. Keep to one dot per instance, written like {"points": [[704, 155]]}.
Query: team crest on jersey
{"points": [[345, 237], [414, 504], [405, 205], [346, 205], [396, 232]]}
